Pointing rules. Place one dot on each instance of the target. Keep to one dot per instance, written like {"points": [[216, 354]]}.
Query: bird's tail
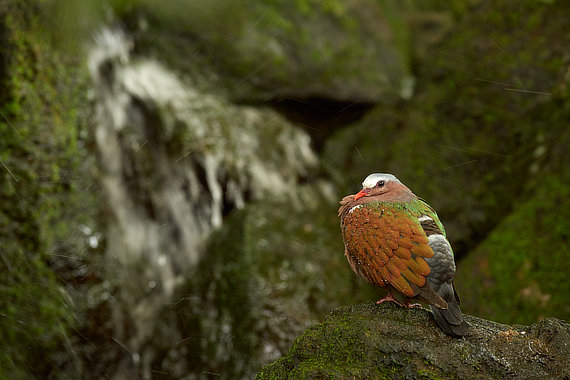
{"points": [[450, 319]]}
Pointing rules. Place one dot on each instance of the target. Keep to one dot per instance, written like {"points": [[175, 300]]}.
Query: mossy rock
{"points": [[275, 50], [520, 271], [42, 198], [369, 341]]}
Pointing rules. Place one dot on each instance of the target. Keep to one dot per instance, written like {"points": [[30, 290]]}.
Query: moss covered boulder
{"points": [[44, 196], [520, 272], [368, 341]]}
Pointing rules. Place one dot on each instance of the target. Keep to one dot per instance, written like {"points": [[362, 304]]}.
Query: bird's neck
{"points": [[403, 196]]}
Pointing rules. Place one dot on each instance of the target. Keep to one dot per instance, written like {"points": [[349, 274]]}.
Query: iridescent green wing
{"points": [[424, 213]]}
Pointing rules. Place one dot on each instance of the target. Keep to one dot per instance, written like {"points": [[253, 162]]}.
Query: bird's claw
{"points": [[390, 298]]}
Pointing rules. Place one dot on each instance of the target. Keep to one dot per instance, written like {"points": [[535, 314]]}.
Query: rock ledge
{"points": [[385, 341]]}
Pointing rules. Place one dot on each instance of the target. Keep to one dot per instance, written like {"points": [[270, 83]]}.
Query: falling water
{"points": [[173, 161]]}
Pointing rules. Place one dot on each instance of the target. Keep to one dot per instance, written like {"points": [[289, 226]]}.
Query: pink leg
{"points": [[390, 297], [411, 305]]}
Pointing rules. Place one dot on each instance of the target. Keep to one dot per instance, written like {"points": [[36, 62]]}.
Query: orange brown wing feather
{"points": [[385, 247]]}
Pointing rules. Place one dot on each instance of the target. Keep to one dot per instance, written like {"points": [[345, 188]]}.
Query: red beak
{"points": [[361, 193]]}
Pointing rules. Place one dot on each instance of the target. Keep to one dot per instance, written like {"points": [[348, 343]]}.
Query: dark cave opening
{"points": [[320, 116]]}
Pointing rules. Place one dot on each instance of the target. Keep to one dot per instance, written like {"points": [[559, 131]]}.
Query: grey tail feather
{"points": [[451, 319]]}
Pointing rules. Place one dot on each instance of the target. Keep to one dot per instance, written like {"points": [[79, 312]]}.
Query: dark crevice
{"points": [[320, 116]]}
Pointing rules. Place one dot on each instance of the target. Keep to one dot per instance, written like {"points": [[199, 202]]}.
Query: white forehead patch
{"points": [[373, 179]]}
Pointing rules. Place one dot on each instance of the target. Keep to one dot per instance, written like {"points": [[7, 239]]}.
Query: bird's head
{"points": [[385, 187]]}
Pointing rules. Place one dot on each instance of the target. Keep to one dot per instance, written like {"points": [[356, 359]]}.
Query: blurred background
{"points": [[170, 170]]}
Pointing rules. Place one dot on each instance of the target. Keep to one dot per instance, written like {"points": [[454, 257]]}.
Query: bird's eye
{"points": [[380, 184]]}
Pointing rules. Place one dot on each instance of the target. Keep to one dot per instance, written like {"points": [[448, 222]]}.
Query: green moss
{"points": [[355, 343], [428, 374], [35, 313], [282, 48], [386, 342], [339, 356], [40, 162], [519, 273], [459, 8]]}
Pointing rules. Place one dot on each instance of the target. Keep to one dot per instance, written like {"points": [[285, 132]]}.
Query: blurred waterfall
{"points": [[173, 161]]}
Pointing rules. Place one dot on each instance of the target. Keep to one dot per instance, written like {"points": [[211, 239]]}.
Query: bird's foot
{"points": [[390, 297], [412, 305]]}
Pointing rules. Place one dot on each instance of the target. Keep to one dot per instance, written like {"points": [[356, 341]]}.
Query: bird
{"points": [[395, 240]]}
